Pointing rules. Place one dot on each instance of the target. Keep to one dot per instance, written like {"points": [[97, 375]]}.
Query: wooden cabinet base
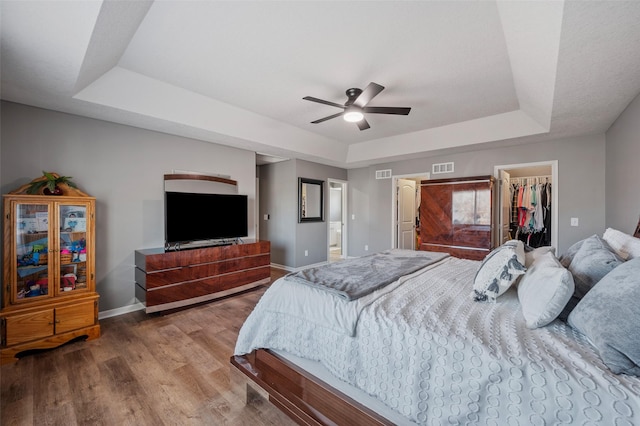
{"points": [[13, 353]]}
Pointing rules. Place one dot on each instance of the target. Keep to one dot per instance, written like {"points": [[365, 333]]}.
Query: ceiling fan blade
{"points": [[327, 118], [363, 124], [370, 92], [322, 101], [387, 110]]}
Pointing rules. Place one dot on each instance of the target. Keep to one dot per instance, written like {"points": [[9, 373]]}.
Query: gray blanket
{"points": [[354, 278]]}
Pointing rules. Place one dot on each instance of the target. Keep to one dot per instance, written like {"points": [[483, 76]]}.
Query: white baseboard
{"points": [[302, 268], [282, 267], [120, 311]]}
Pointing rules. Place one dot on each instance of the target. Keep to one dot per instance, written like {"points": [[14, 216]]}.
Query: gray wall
{"points": [[314, 236], [123, 168], [581, 185], [279, 199], [623, 169], [335, 205]]}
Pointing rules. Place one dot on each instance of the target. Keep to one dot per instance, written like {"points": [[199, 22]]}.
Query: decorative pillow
{"points": [[535, 253], [567, 257], [594, 260], [499, 270], [609, 315], [624, 245], [544, 291]]}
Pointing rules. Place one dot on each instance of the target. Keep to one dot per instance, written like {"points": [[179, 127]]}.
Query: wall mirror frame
{"points": [[310, 200]]}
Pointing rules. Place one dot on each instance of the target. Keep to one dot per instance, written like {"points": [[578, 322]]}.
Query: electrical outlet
{"points": [[353, 216], [306, 252], [366, 247], [574, 221]]}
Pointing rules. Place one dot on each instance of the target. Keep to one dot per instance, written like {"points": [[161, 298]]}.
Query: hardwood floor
{"points": [[170, 369]]}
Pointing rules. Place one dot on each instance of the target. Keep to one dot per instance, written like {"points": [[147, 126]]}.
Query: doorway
{"points": [[405, 214], [337, 238], [506, 175]]}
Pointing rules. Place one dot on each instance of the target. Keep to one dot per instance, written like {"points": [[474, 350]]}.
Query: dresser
{"points": [[456, 216], [173, 279]]}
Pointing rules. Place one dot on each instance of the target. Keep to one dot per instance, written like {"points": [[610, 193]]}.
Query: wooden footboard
{"points": [[302, 396]]}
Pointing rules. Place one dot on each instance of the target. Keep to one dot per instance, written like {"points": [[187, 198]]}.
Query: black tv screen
{"points": [[196, 217]]}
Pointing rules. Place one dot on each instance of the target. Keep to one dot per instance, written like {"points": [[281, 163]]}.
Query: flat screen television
{"points": [[191, 217]]}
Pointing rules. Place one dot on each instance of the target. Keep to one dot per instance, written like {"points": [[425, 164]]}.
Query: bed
{"points": [[425, 349]]}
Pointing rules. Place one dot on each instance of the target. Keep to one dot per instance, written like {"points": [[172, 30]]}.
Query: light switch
{"points": [[574, 221]]}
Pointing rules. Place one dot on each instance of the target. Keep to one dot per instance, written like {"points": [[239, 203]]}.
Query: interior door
{"points": [[406, 214], [505, 207]]}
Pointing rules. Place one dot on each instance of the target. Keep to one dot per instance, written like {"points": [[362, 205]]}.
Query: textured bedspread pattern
{"points": [[430, 352], [354, 278]]}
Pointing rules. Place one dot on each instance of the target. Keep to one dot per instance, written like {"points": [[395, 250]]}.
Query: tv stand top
{"points": [[184, 247], [202, 244]]}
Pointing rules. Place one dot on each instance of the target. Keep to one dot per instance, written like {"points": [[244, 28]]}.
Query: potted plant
{"points": [[48, 183]]}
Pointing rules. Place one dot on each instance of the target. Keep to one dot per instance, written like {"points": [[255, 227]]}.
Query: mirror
{"points": [[310, 200]]}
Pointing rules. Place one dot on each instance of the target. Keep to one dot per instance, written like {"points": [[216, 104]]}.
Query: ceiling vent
{"points": [[440, 168], [383, 174]]}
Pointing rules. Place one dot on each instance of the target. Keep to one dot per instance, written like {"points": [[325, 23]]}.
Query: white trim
{"points": [[344, 232], [121, 311], [394, 202], [302, 268], [281, 267], [554, 193]]}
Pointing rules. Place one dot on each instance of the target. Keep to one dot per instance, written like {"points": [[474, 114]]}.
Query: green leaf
{"points": [[36, 187]]}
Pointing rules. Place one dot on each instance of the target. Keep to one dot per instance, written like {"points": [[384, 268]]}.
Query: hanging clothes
{"points": [[531, 210]]}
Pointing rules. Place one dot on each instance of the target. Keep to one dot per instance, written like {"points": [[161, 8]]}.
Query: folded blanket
{"points": [[354, 278]]}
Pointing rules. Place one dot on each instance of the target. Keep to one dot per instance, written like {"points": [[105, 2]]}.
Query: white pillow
{"points": [[531, 256], [499, 270], [625, 245], [544, 291]]}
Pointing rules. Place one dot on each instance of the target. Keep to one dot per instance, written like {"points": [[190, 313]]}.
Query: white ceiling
{"points": [[235, 72]]}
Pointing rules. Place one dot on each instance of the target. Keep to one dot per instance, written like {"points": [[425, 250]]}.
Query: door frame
{"points": [[554, 194], [394, 202], [343, 236]]}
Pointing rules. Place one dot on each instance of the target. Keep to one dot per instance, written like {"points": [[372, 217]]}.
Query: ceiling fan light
{"points": [[353, 116]]}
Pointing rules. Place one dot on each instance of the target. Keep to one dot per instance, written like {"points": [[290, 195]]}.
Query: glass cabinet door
{"points": [[72, 248], [32, 252]]}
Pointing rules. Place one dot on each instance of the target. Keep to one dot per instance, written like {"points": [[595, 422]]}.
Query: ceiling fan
{"points": [[356, 106]]}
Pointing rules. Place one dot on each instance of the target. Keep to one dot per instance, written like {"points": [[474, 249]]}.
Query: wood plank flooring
{"points": [[157, 369]]}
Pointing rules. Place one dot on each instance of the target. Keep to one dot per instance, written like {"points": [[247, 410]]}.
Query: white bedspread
{"points": [[427, 350]]}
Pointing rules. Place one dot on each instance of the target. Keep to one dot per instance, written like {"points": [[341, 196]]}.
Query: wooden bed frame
{"points": [[302, 396]]}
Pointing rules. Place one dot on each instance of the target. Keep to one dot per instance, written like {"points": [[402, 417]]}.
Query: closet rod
{"points": [[518, 179]]}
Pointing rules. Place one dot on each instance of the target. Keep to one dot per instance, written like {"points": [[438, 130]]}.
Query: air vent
{"points": [[440, 168], [383, 174]]}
